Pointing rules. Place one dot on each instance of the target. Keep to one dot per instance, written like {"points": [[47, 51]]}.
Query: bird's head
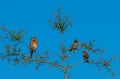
{"points": [[33, 38], [85, 53], [75, 41]]}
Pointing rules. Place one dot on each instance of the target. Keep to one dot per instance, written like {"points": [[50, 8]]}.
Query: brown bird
{"points": [[85, 56], [33, 45], [74, 45]]}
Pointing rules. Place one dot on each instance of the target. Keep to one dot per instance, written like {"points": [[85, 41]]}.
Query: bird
{"points": [[33, 45], [74, 45], [85, 56]]}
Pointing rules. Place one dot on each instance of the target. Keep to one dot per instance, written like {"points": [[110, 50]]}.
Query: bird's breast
{"points": [[34, 46]]}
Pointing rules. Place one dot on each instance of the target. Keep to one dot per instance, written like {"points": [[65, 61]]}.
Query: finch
{"points": [[74, 45], [85, 56], [33, 45]]}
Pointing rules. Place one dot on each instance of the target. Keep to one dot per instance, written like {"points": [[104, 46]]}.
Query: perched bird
{"points": [[33, 45], [85, 56], [74, 45]]}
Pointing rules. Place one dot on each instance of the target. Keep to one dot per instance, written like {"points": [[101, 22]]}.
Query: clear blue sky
{"points": [[92, 19]]}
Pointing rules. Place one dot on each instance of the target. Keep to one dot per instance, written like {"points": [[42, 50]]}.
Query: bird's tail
{"points": [[70, 49], [87, 61], [31, 53]]}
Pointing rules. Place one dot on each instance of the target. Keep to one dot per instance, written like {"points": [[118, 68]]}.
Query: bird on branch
{"points": [[85, 56], [74, 46], [33, 45]]}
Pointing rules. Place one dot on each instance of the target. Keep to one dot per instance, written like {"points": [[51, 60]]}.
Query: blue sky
{"points": [[92, 19]]}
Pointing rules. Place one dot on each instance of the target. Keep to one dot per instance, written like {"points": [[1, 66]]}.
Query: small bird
{"points": [[85, 56], [33, 45], [74, 45]]}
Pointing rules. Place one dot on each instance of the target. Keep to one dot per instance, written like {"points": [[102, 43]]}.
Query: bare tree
{"points": [[14, 40]]}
